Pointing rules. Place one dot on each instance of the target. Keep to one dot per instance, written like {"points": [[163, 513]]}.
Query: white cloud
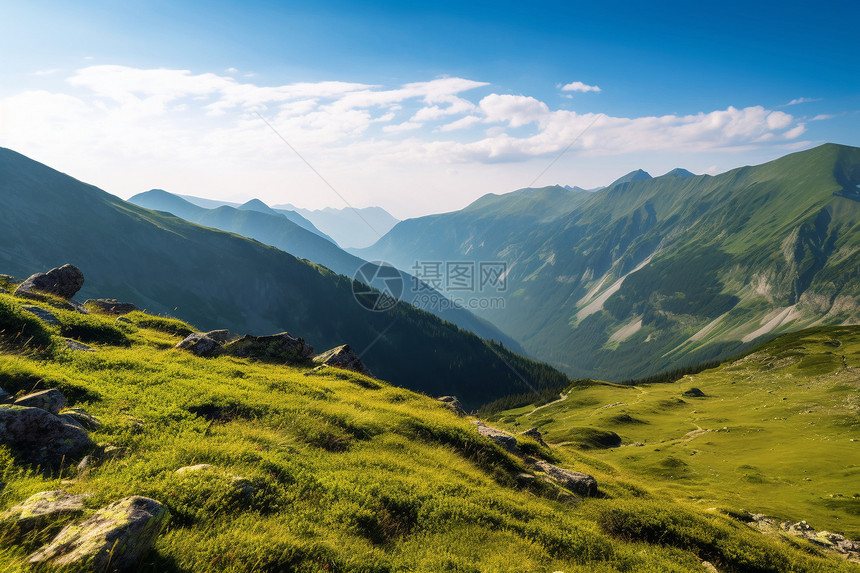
{"points": [[802, 100], [822, 117], [580, 87], [405, 126]]}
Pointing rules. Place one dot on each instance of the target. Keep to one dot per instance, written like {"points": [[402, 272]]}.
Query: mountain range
{"points": [[650, 273], [216, 279]]}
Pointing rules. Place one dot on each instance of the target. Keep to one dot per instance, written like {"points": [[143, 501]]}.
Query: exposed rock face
{"points": [[453, 403], [535, 434], [111, 306], [502, 438], [694, 393], [282, 347], [41, 508], [343, 357], [579, 483], [45, 316], [116, 537], [64, 282], [41, 436], [51, 400], [199, 344]]}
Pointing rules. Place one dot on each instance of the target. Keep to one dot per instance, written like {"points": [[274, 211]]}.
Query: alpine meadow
{"points": [[423, 287]]}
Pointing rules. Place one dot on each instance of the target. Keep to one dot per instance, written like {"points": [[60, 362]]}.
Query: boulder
{"points": [[453, 403], [63, 282], [44, 315], [51, 400], [282, 347], [694, 393], [40, 436], [222, 336], [40, 508], [343, 357], [579, 483], [115, 537], [111, 305], [535, 434], [199, 344], [501, 437]]}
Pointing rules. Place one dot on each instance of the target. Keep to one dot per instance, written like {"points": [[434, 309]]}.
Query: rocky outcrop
{"points": [[835, 542], [501, 437], [115, 537], [44, 315], [282, 348], [221, 336], [535, 434], [40, 508], [63, 282], [50, 400], [40, 436], [199, 344], [111, 306], [453, 403], [579, 483], [343, 357]]}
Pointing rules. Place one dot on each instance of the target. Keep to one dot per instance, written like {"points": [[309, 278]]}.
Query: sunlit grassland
{"points": [[778, 431], [343, 472]]}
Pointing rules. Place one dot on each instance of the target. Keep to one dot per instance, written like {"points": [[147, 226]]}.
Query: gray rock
{"points": [[51, 400], [82, 417], [45, 316], [501, 437], [199, 344], [111, 305], [453, 403], [195, 468], [123, 320], [40, 436], [79, 346], [222, 336], [694, 393], [117, 536], [535, 434], [579, 483], [40, 508], [63, 282], [282, 348], [343, 357]]}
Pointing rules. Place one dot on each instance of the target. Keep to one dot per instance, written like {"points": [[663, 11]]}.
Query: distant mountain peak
{"points": [[257, 205], [680, 172], [638, 175]]}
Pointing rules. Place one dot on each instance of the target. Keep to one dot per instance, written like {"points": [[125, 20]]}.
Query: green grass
{"points": [[772, 435], [345, 473]]}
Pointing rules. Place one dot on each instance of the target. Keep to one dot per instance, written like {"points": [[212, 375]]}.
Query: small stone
{"points": [[75, 345], [111, 306], [50, 400], [343, 357], [200, 344], [45, 316], [117, 536]]}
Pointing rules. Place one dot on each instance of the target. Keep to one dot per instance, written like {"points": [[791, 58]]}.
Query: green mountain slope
{"points": [[333, 471], [647, 274], [775, 431], [258, 221], [220, 280]]}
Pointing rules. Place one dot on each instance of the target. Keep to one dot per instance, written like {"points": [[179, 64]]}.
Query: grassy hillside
{"points": [[220, 280], [649, 274], [777, 431], [340, 472]]}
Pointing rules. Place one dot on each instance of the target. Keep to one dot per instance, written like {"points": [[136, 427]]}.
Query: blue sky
{"points": [[418, 107]]}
